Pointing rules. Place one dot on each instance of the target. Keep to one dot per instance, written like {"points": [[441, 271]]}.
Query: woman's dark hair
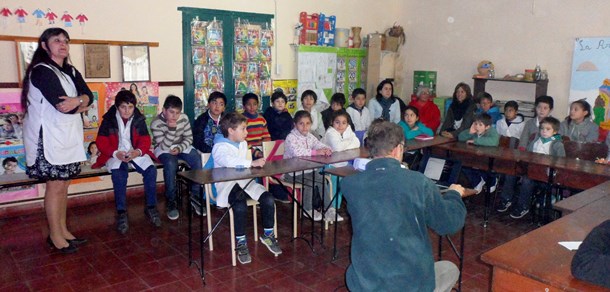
{"points": [[464, 87], [40, 56], [380, 86], [585, 107]]}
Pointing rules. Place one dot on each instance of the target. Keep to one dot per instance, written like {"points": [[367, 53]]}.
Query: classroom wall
{"points": [[514, 35], [160, 21]]}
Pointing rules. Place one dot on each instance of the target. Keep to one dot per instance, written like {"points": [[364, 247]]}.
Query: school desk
{"points": [[583, 199], [536, 262]]}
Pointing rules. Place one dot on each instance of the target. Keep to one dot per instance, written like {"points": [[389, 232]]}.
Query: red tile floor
{"points": [[156, 259]]}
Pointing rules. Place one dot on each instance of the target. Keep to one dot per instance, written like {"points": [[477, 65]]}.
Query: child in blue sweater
{"points": [[411, 125]]}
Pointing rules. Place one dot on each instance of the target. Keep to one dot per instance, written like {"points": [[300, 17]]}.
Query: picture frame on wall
{"points": [[25, 52], [97, 61], [136, 63]]}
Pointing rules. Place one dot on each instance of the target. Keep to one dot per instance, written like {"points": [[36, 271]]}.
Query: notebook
{"points": [[442, 171]]}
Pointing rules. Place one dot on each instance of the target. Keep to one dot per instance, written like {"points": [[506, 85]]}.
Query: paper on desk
{"points": [[571, 245]]}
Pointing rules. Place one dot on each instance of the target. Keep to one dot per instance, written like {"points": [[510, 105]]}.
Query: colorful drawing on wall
{"points": [[591, 76], [289, 87], [12, 151], [147, 94], [39, 14]]}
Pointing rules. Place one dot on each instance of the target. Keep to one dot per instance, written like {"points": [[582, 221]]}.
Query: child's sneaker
{"points": [[172, 210], [479, 186], [196, 205], [243, 254], [330, 215], [494, 185], [317, 216], [153, 216], [519, 213], [503, 207], [271, 243]]}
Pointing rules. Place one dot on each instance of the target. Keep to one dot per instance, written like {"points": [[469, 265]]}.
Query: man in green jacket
{"points": [[391, 209]]}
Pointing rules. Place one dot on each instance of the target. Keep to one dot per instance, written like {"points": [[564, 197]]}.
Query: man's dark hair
{"points": [[382, 137], [125, 96], [172, 101]]}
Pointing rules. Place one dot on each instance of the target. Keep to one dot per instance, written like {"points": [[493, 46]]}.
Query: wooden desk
{"points": [[214, 175], [583, 199], [339, 156], [535, 261]]}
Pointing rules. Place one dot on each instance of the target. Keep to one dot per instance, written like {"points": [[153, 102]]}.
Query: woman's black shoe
{"points": [[71, 248], [77, 241]]}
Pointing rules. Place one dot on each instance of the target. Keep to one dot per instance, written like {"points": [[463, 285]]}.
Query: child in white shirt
{"points": [[360, 114]]}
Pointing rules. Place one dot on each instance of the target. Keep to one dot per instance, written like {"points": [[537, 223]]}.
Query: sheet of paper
{"points": [[571, 245], [434, 168]]}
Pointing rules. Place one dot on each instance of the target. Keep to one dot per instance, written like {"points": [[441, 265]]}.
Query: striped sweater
{"points": [[257, 131], [164, 137]]}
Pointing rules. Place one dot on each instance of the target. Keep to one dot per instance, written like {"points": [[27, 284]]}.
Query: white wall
{"points": [[514, 35], [160, 21]]}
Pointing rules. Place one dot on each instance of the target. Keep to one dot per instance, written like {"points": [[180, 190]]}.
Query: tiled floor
{"points": [[156, 259]]}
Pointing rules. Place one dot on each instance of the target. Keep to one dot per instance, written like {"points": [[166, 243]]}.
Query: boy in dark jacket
{"points": [[390, 248], [123, 142], [279, 121], [206, 126]]}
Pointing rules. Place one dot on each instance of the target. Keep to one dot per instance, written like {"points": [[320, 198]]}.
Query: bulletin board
{"points": [[317, 71]]}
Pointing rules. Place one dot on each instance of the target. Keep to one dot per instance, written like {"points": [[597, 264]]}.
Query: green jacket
{"points": [[489, 138], [391, 209]]}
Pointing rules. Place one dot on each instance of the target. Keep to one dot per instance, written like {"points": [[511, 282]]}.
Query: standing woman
{"points": [[385, 105], [460, 113], [54, 91]]}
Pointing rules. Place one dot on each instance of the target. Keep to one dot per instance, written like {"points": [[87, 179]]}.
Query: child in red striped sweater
{"points": [[256, 125]]}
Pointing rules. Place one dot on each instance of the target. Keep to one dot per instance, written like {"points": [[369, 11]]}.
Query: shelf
{"points": [[15, 38], [479, 85]]}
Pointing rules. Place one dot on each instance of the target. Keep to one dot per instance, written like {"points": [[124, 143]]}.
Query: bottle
{"points": [[537, 73]]}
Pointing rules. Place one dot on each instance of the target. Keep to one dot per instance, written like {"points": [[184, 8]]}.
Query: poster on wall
{"points": [[147, 94], [591, 77], [317, 68], [289, 87], [12, 152]]}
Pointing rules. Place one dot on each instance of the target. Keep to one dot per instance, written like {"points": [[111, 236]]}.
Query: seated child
{"points": [[481, 133], [124, 143], [336, 104], [308, 103], [544, 106], [300, 142], [486, 105], [171, 131], [547, 142], [359, 113], [231, 150], [206, 125], [510, 126], [256, 125], [411, 125], [340, 137], [578, 125], [279, 121]]}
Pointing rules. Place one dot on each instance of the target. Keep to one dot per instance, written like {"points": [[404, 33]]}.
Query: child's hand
{"points": [[326, 151], [258, 163], [174, 151], [473, 130], [471, 141], [601, 160], [122, 156]]}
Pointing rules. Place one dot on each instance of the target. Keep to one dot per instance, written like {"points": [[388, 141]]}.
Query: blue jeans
{"points": [[119, 184], [509, 189], [170, 168], [238, 198], [528, 187]]}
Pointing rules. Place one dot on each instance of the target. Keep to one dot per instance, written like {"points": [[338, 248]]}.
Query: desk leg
{"points": [[488, 194], [336, 200], [323, 209]]}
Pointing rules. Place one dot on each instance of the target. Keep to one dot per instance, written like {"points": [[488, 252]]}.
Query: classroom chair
{"points": [[585, 151], [210, 195]]}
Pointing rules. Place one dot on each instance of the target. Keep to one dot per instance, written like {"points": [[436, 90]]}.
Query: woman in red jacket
{"points": [[124, 142], [429, 114]]}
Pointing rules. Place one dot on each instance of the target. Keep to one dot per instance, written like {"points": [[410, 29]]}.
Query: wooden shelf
{"points": [[15, 38], [541, 85]]}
